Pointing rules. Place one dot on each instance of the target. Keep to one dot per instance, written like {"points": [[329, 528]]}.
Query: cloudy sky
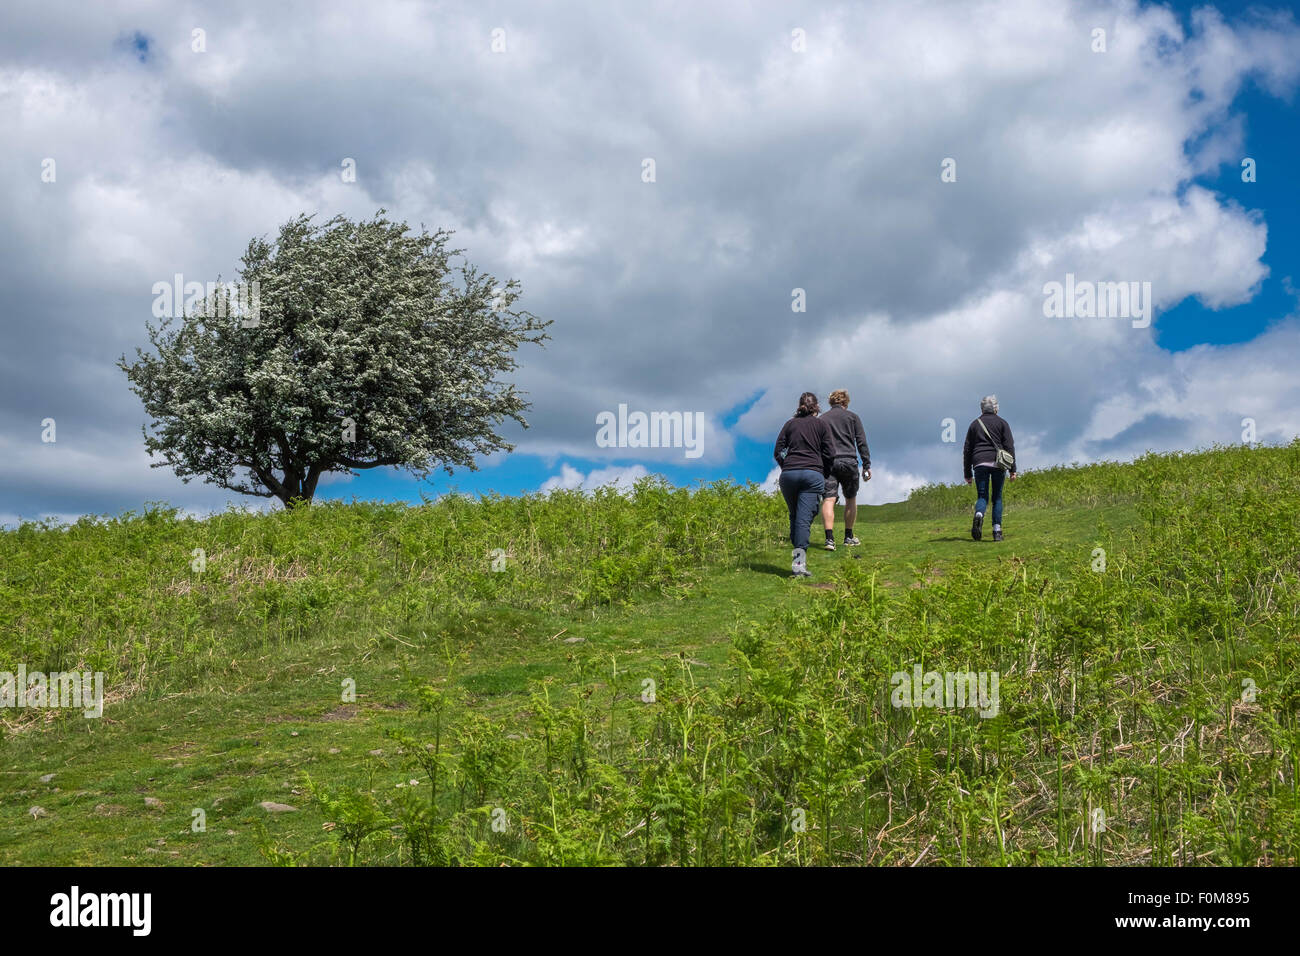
{"points": [[794, 147]]}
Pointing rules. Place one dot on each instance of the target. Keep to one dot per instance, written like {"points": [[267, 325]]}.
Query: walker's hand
{"points": [[866, 474], [968, 481], [1013, 476]]}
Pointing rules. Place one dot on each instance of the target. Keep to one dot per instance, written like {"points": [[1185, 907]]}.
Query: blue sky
{"points": [[779, 168], [1272, 140]]}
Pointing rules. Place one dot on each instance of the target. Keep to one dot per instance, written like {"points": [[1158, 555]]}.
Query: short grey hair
{"points": [[989, 403]]}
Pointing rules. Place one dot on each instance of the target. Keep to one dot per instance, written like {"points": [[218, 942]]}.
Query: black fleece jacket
{"points": [[848, 438], [804, 443], [980, 449]]}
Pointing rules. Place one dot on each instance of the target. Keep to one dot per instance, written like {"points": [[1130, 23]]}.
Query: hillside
{"points": [[501, 652]]}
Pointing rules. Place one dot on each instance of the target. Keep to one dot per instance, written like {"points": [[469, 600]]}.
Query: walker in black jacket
{"points": [[804, 452], [986, 436]]}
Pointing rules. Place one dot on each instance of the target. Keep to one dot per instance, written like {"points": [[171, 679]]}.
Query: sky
{"points": [[911, 177]]}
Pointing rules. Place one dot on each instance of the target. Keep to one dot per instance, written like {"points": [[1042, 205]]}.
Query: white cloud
{"points": [[886, 486], [569, 478]]}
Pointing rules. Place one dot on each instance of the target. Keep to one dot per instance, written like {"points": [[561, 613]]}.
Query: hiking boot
{"points": [[799, 562], [852, 542], [977, 526], [997, 534]]}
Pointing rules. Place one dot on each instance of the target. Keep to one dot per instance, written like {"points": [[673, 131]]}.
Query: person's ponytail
{"points": [[807, 405]]}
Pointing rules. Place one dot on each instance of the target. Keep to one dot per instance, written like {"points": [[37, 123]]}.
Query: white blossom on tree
{"points": [[369, 349]]}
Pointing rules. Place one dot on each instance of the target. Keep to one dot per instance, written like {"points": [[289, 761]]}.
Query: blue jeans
{"points": [[982, 475], [802, 489]]}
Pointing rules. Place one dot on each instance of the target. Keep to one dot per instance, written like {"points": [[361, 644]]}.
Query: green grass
{"points": [[1121, 690]]}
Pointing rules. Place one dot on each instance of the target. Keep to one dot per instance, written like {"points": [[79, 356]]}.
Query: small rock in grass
{"points": [[153, 802], [575, 640], [334, 750], [37, 812], [47, 778], [271, 807], [376, 753]]}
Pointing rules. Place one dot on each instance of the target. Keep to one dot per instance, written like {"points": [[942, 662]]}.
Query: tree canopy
{"points": [[361, 345]]}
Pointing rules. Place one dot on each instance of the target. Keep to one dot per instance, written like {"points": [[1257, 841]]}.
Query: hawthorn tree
{"points": [[363, 347]]}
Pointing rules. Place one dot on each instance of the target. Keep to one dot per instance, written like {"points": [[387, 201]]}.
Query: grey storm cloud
{"points": [[775, 169], [1157, 432]]}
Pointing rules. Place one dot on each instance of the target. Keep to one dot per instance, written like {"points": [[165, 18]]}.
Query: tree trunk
{"points": [[299, 490]]}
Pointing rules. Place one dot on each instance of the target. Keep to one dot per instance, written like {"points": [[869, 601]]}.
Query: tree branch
{"points": [[264, 475], [353, 463]]}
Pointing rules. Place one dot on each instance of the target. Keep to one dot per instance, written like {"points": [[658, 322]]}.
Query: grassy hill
{"points": [[581, 680]]}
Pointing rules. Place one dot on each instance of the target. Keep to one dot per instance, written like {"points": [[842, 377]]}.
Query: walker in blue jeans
{"points": [[983, 474], [802, 489]]}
